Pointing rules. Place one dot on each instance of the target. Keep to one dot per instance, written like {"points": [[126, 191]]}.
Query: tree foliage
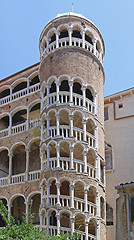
{"points": [[26, 231]]}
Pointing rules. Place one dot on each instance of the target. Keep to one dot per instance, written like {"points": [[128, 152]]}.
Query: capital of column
{"points": [[10, 154], [84, 121], [94, 40], [85, 152], [71, 117], [71, 187], [57, 184], [70, 83], [69, 29], [83, 87]]}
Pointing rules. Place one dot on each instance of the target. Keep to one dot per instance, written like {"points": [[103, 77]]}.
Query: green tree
{"points": [[26, 231]]}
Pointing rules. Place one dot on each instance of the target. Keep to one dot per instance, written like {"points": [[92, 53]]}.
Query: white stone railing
{"points": [[3, 181], [34, 175], [76, 42], [91, 171], [20, 94], [19, 178], [64, 99], [19, 128]]}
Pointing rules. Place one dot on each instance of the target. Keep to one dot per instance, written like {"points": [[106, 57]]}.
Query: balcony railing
{"points": [[76, 42], [19, 128], [20, 94], [64, 99], [20, 178]]}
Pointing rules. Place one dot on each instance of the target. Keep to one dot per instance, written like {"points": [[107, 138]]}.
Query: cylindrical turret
{"points": [[72, 134]]}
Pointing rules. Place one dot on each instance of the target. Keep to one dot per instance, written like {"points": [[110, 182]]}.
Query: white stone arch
{"points": [[51, 79], [4, 88], [18, 81], [92, 186], [4, 148], [79, 113], [34, 102], [64, 140], [63, 77], [52, 141], [52, 179], [43, 115], [65, 210], [93, 219], [17, 144], [17, 109], [64, 109], [51, 31], [87, 29], [92, 120], [51, 110], [41, 211], [15, 196], [30, 195], [4, 114], [42, 182], [33, 74], [76, 25], [65, 179], [2, 197], [43, 85], [80, 181], [78, 143], [32, 141], [80, 214], [51, 209], [44, 39], [66, 26], [79, 80], [91, 88]]}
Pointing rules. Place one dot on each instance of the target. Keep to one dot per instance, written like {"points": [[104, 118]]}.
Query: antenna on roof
{"points": [[72, 7]]}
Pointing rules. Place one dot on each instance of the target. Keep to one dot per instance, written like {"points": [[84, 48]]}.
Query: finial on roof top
{"points": [[72, 7]]}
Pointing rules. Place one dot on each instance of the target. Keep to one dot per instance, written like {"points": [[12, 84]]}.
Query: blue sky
{"points": [[21, 22]]}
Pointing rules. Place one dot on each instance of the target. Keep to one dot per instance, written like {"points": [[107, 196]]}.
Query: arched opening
{"points": [[91, 158], [63, 33], [102, 208], [64, 150], [2, 222], [91, 195], [79, 223], [78, 152], [52, 37], [89, 37], [77, 88], [36, 200], [76, 33], [64, 118], [34, 112], [19, 117], [108, 157], [90, 126], [19, 87], [19, 160], [4, 124], [77, 121], [64, 188], [18, 209], [34, 156], [92, 228], [64, 86], [43, 214], [53, 87], [52, 150], [53, 187], [4, 93], [102, 172], [34, 81], [89, 94], [4, 163], [53, 121], [65, 220], [53, 218], [79, 190], [98, 46]]}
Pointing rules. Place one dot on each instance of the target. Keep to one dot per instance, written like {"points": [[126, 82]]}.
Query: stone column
{"points": [[84, 95], [84, 129], [28, 84], [10, 124], [48, 193], [57, 91], [98, 230], [72, 196], [83, 38], [27, 210], [96, 137], [10, 93], [27, 163], [42, 158], [48, 125], [48, 90], [95, 103], [71, 92], [85, 161], [48, 156], [58, 194], [58, 224], [71, 125], [70, 36], [48, 223], [10, 154], [72, 225], [71, 158], [94, 45], [58, 124], [98, 204], [86, 230], [42, 99], [47, 45], [42, 193], [57, 39], [58, 157], [85, 198]]}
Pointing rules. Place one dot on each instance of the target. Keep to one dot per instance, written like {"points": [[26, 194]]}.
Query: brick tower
{"points": [[72, 127]]}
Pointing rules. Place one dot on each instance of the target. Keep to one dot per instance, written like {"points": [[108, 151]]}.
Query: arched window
{"points": [[89, 94], [52, 38], [108, 157], [53, 87], [63, 33], [64, 86], [77, 88]]}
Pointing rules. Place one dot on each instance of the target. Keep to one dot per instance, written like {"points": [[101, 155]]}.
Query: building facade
{"points": [[52, 132]]}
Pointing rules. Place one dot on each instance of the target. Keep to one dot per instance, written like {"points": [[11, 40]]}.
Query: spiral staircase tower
{"points": [[72, 127]]}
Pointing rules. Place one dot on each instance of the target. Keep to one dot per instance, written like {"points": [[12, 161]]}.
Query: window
{"points": [[106, 117], [108, 157], [120, 105]]}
